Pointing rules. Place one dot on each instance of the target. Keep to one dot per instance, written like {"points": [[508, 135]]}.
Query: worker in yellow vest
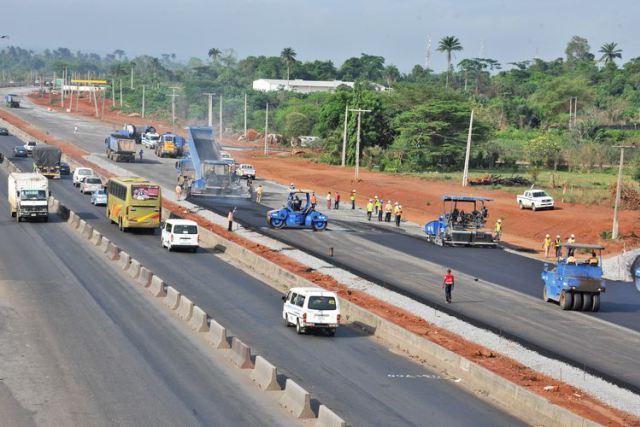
{"points": [[353, 199], [369, 209], [388, 209], [498, 230], [546, 245]]}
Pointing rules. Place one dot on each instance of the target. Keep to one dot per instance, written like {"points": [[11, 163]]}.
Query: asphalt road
{"points": [[351, 373], [79, 346], [500, 301]]}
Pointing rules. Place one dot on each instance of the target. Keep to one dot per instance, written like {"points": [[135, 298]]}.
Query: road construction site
{"points": [[505, 299], [353, 374]]}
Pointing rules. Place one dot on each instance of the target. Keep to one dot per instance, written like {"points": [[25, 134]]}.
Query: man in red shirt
{"points": [[447, 284]]}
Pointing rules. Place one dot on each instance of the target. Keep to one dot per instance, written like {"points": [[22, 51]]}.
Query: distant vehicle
{"points": [[308, 141], [29, 146], [99, 197], [246, 171], [133, 202], [12, 100], [226, 158], [459, 227], [4, 132], [46, 160], [20, 151], [169, 145], [180, 234], [150, 140], [121, 146], [64, 168], [81, 173], [535, 200], [311, 308], [28, 195], [575, 282], [90, 184], [297, 213]]}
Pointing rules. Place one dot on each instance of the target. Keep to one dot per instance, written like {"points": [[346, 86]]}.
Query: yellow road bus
{"points": [[133, 202]]}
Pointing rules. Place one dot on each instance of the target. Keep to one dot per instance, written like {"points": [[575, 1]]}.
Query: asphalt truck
{"points": [[12, 100], [28, 195], [46, 161], [121, 146], [461, 223]]}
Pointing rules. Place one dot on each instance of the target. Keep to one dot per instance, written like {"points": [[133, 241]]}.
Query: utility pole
{"points": [[266, 132], [220, 117], [616, 206], [113, 93], [95, 100], [131, 77], [465, 174], [120, 93], [64, 81], [210, 107], [143, 93], [245, 116], [357, 168], [104, 95], [173, 107], [344, 136]]}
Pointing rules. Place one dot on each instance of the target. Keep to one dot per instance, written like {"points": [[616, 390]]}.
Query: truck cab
{"points": [[28, 196]]}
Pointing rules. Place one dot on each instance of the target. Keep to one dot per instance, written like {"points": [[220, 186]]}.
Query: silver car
{"points": [[90, 184]]}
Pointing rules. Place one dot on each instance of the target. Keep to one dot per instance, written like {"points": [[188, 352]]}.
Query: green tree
{"points": [[543, 150], [578, 49], [449, 44], [214, 54], [610, 52], [288, 55]]}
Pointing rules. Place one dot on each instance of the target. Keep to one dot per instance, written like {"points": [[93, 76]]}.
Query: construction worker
{"points": [[388, 208], [593, 260], [314, 200], [380, 210], [140, 153], [336, 201], [230, 218], [292, 187], [178, 191], [353, 199], [498, 229], [557, 245], [329, 200], [398, 215], [376, 204], [447, 283], [546, 245], [259, 193], [369, 209], [570, 241]]}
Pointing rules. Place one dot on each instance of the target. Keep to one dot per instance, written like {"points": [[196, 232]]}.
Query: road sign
{"points": [[89, 82]]}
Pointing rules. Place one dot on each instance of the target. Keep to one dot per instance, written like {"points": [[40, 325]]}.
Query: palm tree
{"points": [[214, 53], [610, 52], [449, 44], [288, 55]]}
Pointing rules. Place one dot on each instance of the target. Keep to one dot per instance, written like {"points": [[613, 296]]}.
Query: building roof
{"points": [[310, 83]]}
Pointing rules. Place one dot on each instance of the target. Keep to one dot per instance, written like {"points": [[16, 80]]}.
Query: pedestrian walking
{"points": [[447, 283], [230, 218], [388, 208], [259, 192], [75, 129], [329, 200], [498, 230], [380, 212], [337, 201], [314, 200], [376, 204], [546, 245], [557, 245], [178, 191], [353, 199], [140, 153], [398, 215], [369, 209]]}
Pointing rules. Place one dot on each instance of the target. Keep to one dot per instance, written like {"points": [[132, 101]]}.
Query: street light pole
{"points": [[616, 206], [344, 136], [357, 168]]}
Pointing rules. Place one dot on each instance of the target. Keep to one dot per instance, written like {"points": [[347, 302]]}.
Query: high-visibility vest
{"points": [[547, 242], [369, 207], [353, 196], [378, 204], [498, 226], [448, 279], [314, 200], [557, 243], [388, 208]]}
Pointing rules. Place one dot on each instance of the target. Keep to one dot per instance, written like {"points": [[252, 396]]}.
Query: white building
{"points": [[301, 86]]}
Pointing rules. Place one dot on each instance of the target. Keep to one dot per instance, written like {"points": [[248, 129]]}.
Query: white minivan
{"points": [[81, 173], [311, 308], [180, 234]]}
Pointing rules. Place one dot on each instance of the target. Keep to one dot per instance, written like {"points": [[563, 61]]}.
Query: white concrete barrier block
{"points": [[172, 298], [265, 375], [217, 335], [297, 400], [157, 287], [198, 320], [185, 309]]}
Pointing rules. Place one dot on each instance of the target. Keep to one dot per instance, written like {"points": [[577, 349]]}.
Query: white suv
{"points": [[81, 173], [311, 308], [246, 171], [180, 233]]}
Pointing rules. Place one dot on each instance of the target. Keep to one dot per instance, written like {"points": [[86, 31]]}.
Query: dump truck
{"points": [[457, 227], [203, 173], [28, 195], [46, 161], [121, 146], [12, 100]]}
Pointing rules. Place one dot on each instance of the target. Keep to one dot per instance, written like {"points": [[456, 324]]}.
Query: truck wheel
{"points": [[596, 303], [587, 302], [533, 207], [521, 205], [276, 222], [13, 214], [299, 330], [577, 302], [331, 332], [566, 300], [545, 297], [319, 225], [285, 321]]}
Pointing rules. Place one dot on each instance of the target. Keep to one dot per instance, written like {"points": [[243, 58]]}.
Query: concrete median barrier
{"points": [[112, 251], [144, 278], [134, 268], [185, 310], [217, 335], [124, 260], [328, 418], [157, 288], [74, 220], [297, 400], [172, 298], [241, 354], [81, 224], [54, 205], [87, 230], [198, 320], [96, 237], [265, 375], [104, 244]]}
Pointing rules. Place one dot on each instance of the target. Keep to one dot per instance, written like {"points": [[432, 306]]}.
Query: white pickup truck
{"points": [[535, 200]]}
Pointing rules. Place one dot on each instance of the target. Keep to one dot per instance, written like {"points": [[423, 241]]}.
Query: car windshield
{"points": [[33, 195], [85, 172], [31, 144], [185, 229], [154, 138], [19, 148], [93, 181], [100, 193], [322, 303], [539, 194]]}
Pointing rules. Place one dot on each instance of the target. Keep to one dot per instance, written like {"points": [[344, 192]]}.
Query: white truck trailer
{"points": [[28, 196]]}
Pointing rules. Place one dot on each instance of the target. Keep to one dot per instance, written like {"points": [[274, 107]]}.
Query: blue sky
{"points": [[322, 29]]}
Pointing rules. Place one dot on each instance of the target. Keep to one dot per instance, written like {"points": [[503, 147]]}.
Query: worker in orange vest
{"points": [[314, 200]]}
